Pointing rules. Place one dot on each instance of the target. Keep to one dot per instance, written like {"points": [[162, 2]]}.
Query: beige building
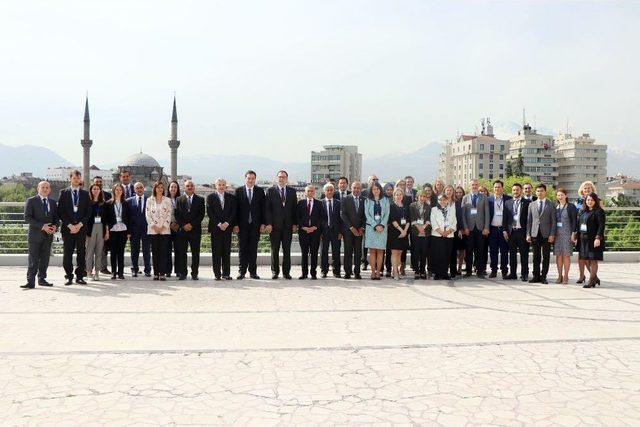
{"points": [[580, 159], [473, 156], [538, 157], [335, 161]]}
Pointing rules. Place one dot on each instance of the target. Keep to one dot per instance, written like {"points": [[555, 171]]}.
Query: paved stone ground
{"points": [[325, 352]]}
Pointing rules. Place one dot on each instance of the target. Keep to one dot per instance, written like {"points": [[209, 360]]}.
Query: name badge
{"points": [[119, 220], [75, 209], [516, 218], [377, 217], [403, 221], [474, 211], [420, 222], [559, 225], [97, 220], [583, 228], [498, 214]]}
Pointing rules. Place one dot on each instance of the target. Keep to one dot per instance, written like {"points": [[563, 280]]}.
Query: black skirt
{"points": [[394, 241], [586, 250]]}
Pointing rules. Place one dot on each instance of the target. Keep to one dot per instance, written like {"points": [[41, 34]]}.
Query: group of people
{"points": [[442, 227]]}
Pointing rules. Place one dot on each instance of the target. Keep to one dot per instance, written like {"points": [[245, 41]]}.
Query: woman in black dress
{"points": [[399, 222], [591, 222], [173, 193], [460, 241]]}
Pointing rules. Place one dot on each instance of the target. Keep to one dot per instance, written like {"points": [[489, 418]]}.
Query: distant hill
{"points": [[28, 158], [422, 164]]}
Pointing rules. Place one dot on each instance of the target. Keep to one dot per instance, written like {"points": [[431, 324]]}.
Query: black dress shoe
{"points": [[28, 286], [134, 274], [274, 277], [287, 276], [512, 277], [324, 275], [388, 274], [254, 276], [423, 276], [544, 281], [467, 274], [194, 277], [156, 277], [162, 278], [114, 277], [227, 277], [337, 275], [357, 277], [525, 277], [168, 275], [80, 281], [121, 276], [44, 283], [69, 281], [218, 278], [303, 277], [347, 276], [534, 280], [147, 274], [493, 275], [240, 277], [505, 276], [182, 277], [314, 277], [105, 271]]}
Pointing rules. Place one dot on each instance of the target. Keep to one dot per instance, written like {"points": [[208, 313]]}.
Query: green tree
{"points": [[15, 193], [508, 172]]}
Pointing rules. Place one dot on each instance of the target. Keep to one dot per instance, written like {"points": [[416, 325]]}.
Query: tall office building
{"points": [[335, 161], [473, 156], [537, 153], [580, 159]]}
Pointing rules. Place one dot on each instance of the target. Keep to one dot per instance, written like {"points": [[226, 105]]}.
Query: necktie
{"points": [[189, 203], [356, 202], [540, 206], [45, 206], [250, 195], [308, 207], [126, 191], [140, 204], [75, 197], [221, 200], [474, 199], [282, 198], [330, 212]]}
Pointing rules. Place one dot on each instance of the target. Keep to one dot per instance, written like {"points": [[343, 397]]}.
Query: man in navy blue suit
{"points": [[498, 242], [138, 230], [310, 217], [331, 232]]}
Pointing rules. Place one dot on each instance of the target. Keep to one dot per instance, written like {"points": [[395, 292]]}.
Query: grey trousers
{"points": [[95, 245]]}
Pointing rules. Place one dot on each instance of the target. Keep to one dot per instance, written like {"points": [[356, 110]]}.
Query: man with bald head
{"points": [[189, 214], [41, 213]]}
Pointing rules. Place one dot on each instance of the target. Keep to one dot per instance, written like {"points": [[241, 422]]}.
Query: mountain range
{"points": [[422, 164]]}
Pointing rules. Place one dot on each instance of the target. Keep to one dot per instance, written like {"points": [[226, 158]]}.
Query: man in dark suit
{"points": [[311, 218], [331, 232], [353, 223], [541, 232], [41, 213], [74, 210], [189, 214], [497, 241], [341, 190], [221, 209], [475, 222], [281, 223], [527, 189], [409, 190], [136, 206], [107, 243], [515, 216], [250, 201], [125, 180]]}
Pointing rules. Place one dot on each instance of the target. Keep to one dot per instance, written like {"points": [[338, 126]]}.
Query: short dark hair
{"points": [[541, 185], [517, 184], [249, 172], [408, 176], [345, 178], [428, 185], [97, 177], [124, 171], [497, 181], [596, 200], [284, 172], [75, 172], [370, 192]]}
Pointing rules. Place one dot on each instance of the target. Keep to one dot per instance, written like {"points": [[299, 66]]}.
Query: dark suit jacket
{"points": [[36, 217], [65, 208], [336, 221], [193, 216], [348, 213], [507, 214], [106, 195], [103, 214], [317, 217], [277, 215], [112, 219], [137, 220], [414, 215], [217, 215], [492, 199], [336, 194], [256, 207], [595, 227], [131, 190]]}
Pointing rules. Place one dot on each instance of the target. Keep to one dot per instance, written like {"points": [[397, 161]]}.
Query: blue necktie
{"points": [[45, 207], [474, 199], [75, 197]]}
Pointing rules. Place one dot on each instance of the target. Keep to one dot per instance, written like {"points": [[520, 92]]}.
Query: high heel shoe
{"points": [[591, 284], [559, 280], [581, 280], [597, 281]]}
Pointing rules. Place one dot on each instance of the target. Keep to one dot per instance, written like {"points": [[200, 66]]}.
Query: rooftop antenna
{"points": [[524, 120]]}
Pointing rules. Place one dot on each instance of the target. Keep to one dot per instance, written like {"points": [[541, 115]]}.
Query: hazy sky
{"points": [[280, 78]]}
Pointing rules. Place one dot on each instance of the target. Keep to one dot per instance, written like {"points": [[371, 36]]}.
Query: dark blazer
{"points": [[414, 195], [65, 208], [217, 215], [414, 214], [507, 214], [137, 219], [103, 215], [348, 213], [131, 190], [492, 199], [336, 221], [193, 216], [317, 217], [277, 215], [35, 216], [111, 218], [256, 207], [595, 227], [106, 195], [572, 210]]}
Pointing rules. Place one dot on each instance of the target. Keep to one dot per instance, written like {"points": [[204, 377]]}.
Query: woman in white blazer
{"points": [[159, 212], [443, 228]]}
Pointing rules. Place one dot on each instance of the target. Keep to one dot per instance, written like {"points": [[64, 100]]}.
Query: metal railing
{"points": [[622, 231]]}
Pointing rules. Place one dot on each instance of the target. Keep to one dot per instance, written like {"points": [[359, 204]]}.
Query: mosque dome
{"points": [[141, 159]]}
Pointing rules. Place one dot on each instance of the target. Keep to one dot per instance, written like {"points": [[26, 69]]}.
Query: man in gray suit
{"points": [[475, 221], [353, 222], [541, 232], [41, 213]]}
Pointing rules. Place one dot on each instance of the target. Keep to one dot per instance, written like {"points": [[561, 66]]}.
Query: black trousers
{"points": [[441, 255], [414, 260], [118, 241], [74, 243], [497, 243], [192, 240], [330, 240], [159, 252], [541, 249], [476, 254], [309, 244], [135, 241], [387, 260], [281, 236], [39, 253], [518, 244], [221, 252], [453, 259], [352, 253], [419, 253], [171, 255], [248, 239]]}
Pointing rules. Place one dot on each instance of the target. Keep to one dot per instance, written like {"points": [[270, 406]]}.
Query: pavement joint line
{"points": [[355, 348]]}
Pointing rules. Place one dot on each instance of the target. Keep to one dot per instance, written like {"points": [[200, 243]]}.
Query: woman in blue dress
{"points": [[376, 210]]}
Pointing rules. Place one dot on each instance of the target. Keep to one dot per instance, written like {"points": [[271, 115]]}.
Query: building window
{"points": [[502, 149], [492, 147], [481, 166], [482, 147], [481, 156]]}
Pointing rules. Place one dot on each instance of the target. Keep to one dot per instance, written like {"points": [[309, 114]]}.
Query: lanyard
{"points": [[559, 213]]}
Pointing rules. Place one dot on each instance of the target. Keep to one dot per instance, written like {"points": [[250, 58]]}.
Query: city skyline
{"points": [[282, 79]]}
